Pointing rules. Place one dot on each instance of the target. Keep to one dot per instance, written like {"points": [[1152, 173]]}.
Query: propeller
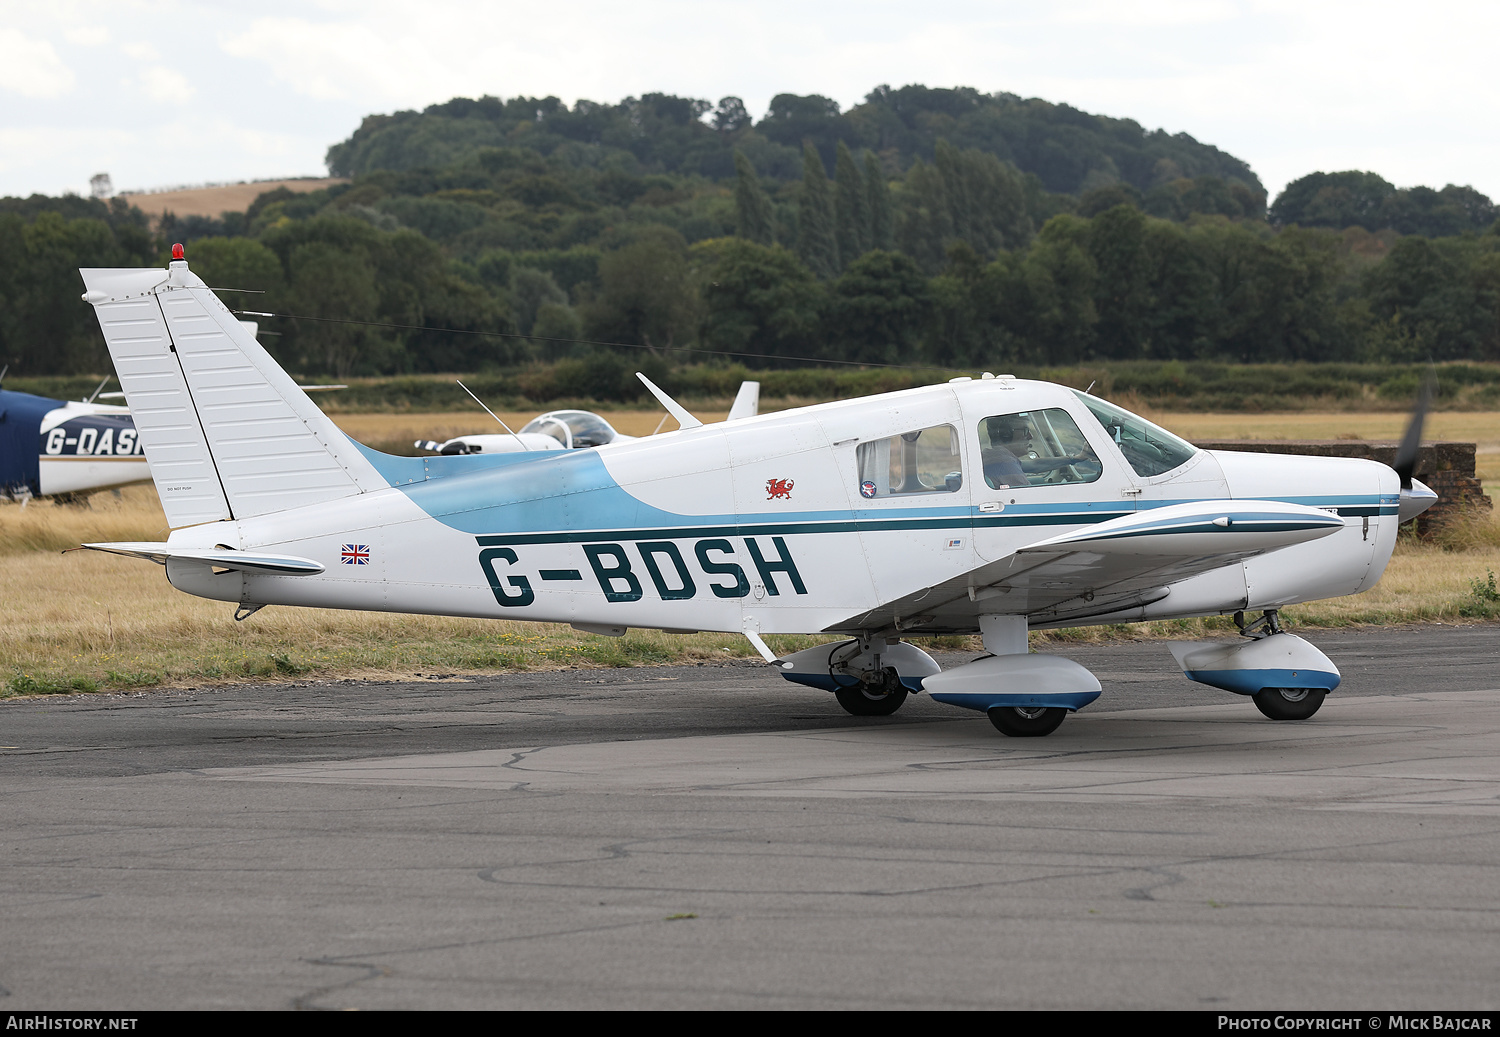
{"points": [[1415, 497], [1411, 443]]}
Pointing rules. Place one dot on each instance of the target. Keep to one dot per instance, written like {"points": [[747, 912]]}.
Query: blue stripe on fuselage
{"points": [[569, 495]]}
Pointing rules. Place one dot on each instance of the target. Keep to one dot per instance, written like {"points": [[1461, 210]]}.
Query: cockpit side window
{"points": [[925, 461], [1149, 449], [1035, 448]]}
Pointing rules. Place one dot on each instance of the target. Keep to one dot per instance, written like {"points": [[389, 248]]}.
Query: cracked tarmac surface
{"points": [[713, 837]]}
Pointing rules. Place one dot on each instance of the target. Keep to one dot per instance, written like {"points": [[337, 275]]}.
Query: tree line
{"points": [[514, 256], [1069, 151]]}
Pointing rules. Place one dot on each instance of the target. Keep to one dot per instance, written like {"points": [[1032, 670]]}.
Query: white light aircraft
{"points": [[990, 505], [65, 447], [72, 448]]}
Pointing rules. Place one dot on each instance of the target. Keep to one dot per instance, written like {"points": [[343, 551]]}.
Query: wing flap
{"points": [[1106, 568]]}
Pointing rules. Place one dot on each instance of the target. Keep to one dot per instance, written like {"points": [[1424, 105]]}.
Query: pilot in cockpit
{"points": [[1017, 455], [1001, 466]]}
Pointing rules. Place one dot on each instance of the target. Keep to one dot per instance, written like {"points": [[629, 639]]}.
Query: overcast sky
{"points": [[167, 92]]}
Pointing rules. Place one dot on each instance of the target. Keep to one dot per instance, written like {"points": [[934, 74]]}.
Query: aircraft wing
{"points": [[218, 558], [1105, 568]]}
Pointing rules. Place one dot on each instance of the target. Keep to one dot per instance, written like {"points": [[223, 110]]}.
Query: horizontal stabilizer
{"points": [[218, 558]]}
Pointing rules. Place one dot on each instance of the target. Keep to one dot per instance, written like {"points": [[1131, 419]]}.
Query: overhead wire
{"points": [[601, 342]]}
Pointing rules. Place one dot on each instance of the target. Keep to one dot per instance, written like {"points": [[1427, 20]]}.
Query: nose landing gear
{"points": [[1289, 703], [1026, 721], [1287, 677]]}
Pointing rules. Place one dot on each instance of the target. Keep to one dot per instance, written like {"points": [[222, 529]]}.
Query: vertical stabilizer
{"points": [[226, 431], [746, 402]]}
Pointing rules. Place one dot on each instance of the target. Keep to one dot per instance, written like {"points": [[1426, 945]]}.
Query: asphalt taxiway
{"points": [[713, 837]]}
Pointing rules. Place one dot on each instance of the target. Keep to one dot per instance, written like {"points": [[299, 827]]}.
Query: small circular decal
{"points": [[867, 488]]}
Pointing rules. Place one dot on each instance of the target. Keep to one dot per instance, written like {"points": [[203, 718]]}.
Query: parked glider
{"points": [[987, 505], [568, 430]]}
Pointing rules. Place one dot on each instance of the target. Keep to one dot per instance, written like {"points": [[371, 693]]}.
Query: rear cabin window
{"points": [[1035, 448], [925, 461]]}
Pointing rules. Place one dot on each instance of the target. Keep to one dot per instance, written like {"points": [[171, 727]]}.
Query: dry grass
{"points": [[84, 620], [91, 619], [43, 526]]}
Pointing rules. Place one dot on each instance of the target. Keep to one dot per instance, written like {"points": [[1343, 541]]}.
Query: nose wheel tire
{"points": [[871, 700], [1289, 703], [1027, 721]]}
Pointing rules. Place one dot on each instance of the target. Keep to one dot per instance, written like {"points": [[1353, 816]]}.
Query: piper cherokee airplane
{"points": [[50, 447], [568, 430], [991, 505]]}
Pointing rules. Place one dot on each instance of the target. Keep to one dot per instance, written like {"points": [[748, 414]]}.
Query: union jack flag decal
{"points": [[356, 554]]}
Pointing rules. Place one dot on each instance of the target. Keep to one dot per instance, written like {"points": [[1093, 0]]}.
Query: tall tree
{"points": [[926, 225], [645, 293], [759, 300], [878, 309], [753, 220], [1122, 297], [816, 244], [878, 203], [853, 218]]}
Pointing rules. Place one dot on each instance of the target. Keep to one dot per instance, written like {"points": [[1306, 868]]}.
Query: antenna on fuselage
{"points": [[95, 395], [492, 414], [2, 373]]}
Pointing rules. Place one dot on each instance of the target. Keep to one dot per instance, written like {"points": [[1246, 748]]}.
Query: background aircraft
{"points": [[989, 505], [50, 447], [72, 448]]}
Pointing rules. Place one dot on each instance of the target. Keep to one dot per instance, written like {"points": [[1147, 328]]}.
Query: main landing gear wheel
{"points": [[872, 700], [1027, 721], [1289, 703]]}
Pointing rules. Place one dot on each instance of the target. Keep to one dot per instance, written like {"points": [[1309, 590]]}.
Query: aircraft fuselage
{"points": [[789, 522]]}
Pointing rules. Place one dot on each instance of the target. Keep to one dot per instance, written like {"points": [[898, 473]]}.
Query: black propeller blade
{"points": [[1411, 443]]}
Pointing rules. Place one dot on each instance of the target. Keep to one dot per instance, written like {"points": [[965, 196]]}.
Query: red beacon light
{"points": [[177, 252]]}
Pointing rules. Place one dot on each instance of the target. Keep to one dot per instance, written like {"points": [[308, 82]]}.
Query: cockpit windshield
{"points": [[1150, 449], [573, 428]]}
